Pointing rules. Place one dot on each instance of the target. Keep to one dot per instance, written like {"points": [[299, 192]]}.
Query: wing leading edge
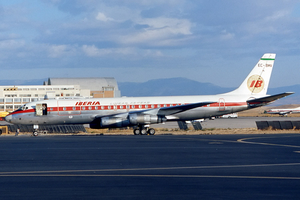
{"points": [[181, 108]]}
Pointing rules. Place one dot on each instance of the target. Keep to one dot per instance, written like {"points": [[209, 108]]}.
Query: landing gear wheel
{"points": [[151, 131], [35, 133], [143, 131], [136, 131]]}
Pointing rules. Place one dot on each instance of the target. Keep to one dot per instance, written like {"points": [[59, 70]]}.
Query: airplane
{"points": [[283, 112], [141, 112]]}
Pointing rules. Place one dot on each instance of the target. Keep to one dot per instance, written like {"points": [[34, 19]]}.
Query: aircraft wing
{"points": [[164, 111], [181, 108], [268, 99], [173, 109], [160, 111]]}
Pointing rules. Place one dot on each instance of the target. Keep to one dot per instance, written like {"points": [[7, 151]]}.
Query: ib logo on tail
{"points": [[255, 83]]}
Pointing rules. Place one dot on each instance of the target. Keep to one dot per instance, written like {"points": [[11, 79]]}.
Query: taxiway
{"points": [[150, 167]]}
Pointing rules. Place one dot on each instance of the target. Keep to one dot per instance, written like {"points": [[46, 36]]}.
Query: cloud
{"points": [[93, 51], [11, 44], [101, 17], [11, 48], [56, 51], [158, 31], [227, 36]]}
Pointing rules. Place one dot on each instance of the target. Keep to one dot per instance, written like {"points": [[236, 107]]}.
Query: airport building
{"points": [[12, 97]]}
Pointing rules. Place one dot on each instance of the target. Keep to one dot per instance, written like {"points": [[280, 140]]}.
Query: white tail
{"points": [[257, 81]]}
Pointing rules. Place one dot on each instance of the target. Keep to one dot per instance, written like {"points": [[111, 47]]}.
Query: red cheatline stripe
{"points": [[127, 107]]}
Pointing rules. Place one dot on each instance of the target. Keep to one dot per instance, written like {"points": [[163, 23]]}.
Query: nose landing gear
{"points": [[36, 131]]}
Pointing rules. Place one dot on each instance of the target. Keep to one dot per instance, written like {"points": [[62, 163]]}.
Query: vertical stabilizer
{"points": [[257, 81]]}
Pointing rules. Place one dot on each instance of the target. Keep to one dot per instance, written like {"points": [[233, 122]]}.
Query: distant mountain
{"points": [[169, 87], [184, 86]]}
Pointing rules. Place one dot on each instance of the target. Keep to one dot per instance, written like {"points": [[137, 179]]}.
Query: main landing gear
{"points": [[142, 130]]}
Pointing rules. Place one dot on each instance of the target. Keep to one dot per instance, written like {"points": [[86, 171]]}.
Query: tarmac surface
{"points": [[150, 167]]}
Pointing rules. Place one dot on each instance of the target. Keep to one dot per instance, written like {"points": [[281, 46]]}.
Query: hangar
{"points": [[98, 87], [12, 97]]}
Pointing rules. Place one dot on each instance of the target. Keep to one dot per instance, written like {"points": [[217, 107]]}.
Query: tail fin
{"points": [[257, 81]]}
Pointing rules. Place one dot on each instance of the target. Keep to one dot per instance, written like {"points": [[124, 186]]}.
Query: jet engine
{"points": [[142, 119], [117, 122], [131, 120]]}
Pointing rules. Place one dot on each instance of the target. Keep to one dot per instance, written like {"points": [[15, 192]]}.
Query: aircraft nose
{"points": [[8, 118]]}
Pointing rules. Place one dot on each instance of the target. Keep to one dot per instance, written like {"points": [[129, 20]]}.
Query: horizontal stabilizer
{"points": [[266, 100]]}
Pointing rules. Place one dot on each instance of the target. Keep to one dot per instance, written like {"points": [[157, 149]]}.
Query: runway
{"points": [[150, 167]]}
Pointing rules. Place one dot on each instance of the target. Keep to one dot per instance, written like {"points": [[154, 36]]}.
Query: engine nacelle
{"points": [[143, 119], [114, 122], [131, 120]]}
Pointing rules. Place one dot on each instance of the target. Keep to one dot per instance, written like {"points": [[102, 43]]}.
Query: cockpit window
{"points": [[24, 107]]}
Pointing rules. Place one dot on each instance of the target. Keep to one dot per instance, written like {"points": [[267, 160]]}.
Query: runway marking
{"points": [[212, 140], [215, 143], [263, 143], [57, 172]]}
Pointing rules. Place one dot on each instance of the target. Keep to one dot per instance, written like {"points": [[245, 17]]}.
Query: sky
{"points": [[139, 40]]}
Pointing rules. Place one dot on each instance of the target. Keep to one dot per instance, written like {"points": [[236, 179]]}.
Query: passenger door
{"points": [[41, 109]]}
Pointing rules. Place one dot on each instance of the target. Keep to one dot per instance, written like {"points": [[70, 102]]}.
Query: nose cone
{"points": [[8, 118]]}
